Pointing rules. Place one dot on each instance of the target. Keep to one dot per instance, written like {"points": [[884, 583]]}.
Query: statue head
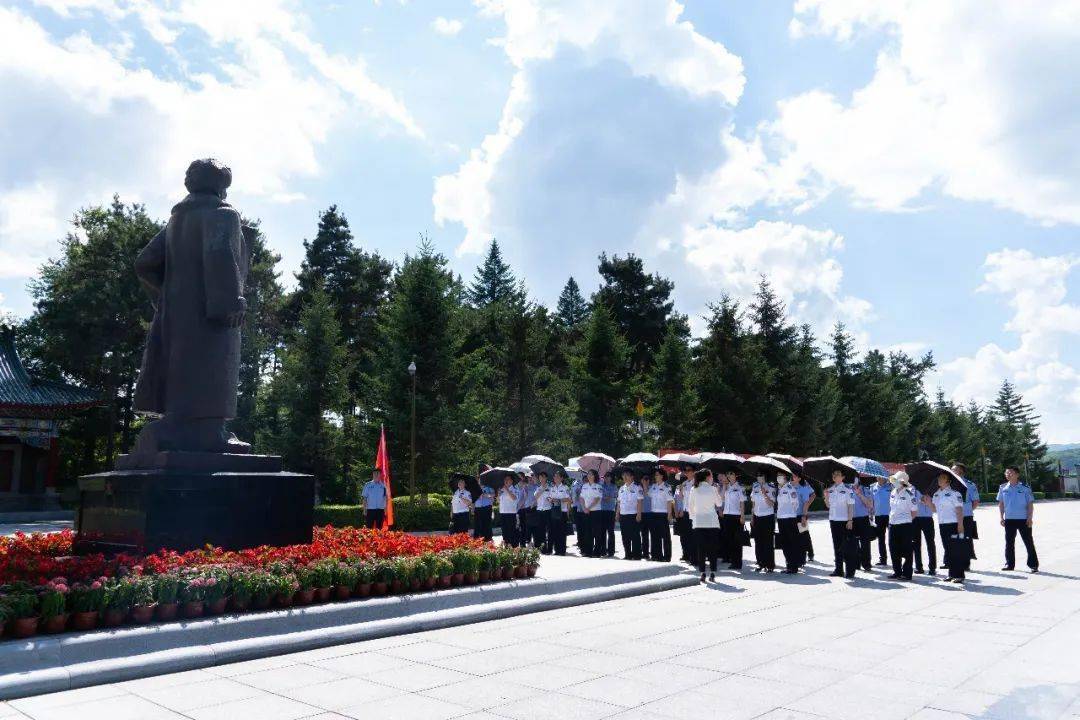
{"points": [[208, 176]]}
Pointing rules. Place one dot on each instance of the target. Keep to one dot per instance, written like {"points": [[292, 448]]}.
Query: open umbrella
{"points": [[923, 475], [869, 470], [542, 464], [471, 483], [522, 468], [763, 465], [820, 469], [597, 461], [721, 463], [681, 461], [639, 462]]}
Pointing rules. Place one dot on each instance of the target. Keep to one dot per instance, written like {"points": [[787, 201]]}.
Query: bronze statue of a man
{"points": [[194, 271]]}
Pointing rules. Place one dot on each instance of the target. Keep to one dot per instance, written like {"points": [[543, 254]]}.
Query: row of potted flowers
{"points": [[189, 592]]}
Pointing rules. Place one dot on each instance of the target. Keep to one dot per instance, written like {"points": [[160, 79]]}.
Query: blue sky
{"points": [[906, 167]]}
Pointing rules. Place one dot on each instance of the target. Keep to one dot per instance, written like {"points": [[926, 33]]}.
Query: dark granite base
{"points": [[200, 462], [147, 510]]}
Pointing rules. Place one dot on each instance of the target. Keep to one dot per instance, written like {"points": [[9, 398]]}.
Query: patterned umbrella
{"points": [[597, 461], [869, 470]]}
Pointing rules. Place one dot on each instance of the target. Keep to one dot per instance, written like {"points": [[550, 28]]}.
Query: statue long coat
{"points": [[194, 270]]}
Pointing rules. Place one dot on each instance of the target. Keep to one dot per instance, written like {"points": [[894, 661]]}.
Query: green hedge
{"points": [[409, 514]]}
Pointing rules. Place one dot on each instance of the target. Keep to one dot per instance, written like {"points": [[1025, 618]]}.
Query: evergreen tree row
{"points": [[499, 376]]}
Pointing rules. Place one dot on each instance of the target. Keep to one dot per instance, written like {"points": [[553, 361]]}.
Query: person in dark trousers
{"points": [[659, 518], [923, 531], [864, 505], [763, 524], [971, 504], [807, 496], [702, 504], [682, 525], [903, 506], [788, 514], [646, 508], [482, 509], [609, 505], [460, 504], [373, 496], [575, 511], [949, 505], [526, 504], [559, 497], [589, 528], [881, 493], [541, 516], [630, 503], [840, 499], [1016, 505], [508, 512], [734, 520]]}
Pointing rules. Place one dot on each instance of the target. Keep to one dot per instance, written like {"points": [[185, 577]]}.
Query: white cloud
{"points": [[1046, 324], [443, 26], [122, 126], [970, 97]]}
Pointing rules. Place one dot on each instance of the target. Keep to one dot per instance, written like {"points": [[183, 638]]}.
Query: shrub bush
{"points": [[409, 514], [1039, 495]]}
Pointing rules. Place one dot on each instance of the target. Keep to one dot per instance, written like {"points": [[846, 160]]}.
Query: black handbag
{"points": [[745, 537], [868, 532]]}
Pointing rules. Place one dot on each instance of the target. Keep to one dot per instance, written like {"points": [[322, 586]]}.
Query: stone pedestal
{"points": [[178, 502]]}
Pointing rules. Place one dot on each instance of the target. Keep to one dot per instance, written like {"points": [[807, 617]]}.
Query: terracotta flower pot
{"points": [[396, 586], [113, 617], [217, 607], [322, 594], [444, 581], [84, 620], [142, 614], [508, 573], [342, 592], [471, 578], [531, 570], [24, 627], [378, 588], [239, 604], [192, 609], [429, 583], [415, 584], [304, 597], [485, 576], [54, 624], [457, 579], [261, 602], [363, 590], [165, 611], [519, 571], [285, 599]]}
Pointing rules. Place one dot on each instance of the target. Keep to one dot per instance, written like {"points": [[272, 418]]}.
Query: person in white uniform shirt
{"points": [[590, 530], [788, 515], [763, 524], [702, 503], [629, 502], [659, 517], [559, 497], [508, 511], [949, 506], [541, 514], [903, 506], [840, 499], [460, 504], [734, 520]]}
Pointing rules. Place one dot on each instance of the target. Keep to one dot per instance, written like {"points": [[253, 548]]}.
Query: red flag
{"points": [[382, 463]]}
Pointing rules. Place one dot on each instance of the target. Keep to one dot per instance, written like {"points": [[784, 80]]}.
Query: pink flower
{"points": [[96, 585]]}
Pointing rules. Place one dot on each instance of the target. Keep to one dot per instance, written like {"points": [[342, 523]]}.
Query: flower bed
{"points": [[44, 588]]}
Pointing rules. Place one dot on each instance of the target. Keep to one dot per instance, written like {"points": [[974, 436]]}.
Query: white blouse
{"points": [[702, 504]]}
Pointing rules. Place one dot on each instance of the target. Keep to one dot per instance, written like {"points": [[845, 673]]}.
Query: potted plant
{"points": [[86, 601], [520, 558], [460, 559], [415, 571], [117, 603], [399, 575], [322, 577], [382, 575], [23, 607], [506, 562], [444, 570], [345, 579], [217, 593], [52, 602], [488, 564], [166, 587], [243, 585], [305, 593], [472, 567], [265, 588], [532, 561], [5, 614], [365, 574], [285, 587], [142, 599], [429, 564]]}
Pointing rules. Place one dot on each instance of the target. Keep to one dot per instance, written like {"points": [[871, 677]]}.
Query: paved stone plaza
{"points": [[748, 647]]}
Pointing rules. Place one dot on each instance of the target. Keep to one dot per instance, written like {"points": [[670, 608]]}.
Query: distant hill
{"points": [[1066, 446], [1068, 454]]}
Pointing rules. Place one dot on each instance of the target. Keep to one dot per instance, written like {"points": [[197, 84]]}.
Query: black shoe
{"points": [[712, 577], [1006, 569], [702, 577], [867, 568], [881, 563], [932, 573], [1034, 571], [769, 570], [895, 576], [757, 569], [810, 558], [791, 572], [836, 573], [908, 578]]}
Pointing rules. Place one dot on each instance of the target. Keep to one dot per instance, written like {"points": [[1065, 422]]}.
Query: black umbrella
{"points": [[795, 465], [820, 469], [763, 465], [923, 476], [721, 463], [471, 483], [544, 465], [640, 462], [493, 477]]}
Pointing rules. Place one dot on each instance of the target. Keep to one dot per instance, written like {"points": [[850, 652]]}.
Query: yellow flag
{"points": [[640, 409]]}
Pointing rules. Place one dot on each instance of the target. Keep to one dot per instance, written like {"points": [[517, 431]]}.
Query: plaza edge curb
{"points": [[45, 665]]}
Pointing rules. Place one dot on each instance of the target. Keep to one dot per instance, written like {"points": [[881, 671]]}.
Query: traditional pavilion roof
{"points": [[23, 395]]}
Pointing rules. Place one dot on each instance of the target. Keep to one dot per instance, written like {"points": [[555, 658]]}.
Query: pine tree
{"points": [[572, 309], [1013, 429], [494, 281], [671, 403], [640, 304], [600, 385]]}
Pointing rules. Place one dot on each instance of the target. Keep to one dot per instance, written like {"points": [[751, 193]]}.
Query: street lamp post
{"points": [[412, 433]]}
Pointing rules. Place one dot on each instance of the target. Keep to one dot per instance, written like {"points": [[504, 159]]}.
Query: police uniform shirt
{"points": [[679, 498], [902, 502], [733, 499], [557, 494], [971, 494], [946, 502], [805, 491], [924, 509], [659, 497], [374, 493], [646, 500], [628, 499], [757, 499], [543, 498], [882, 495], [788, 502], [590, 496], [841, 497], [508, 500], [458, 502], [611, 496], [486, 498], [860, 502], [528, 499], [575, 493], [1016, 498]]}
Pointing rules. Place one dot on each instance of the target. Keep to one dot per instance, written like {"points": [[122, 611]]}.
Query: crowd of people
{"points": [[718, 514]]}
